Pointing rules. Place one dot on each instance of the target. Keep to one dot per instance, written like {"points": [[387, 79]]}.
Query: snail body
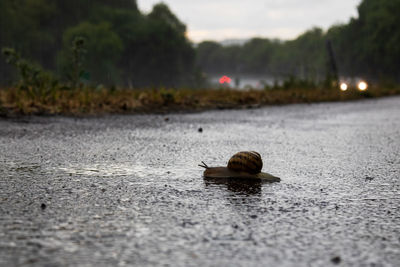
{"points": [[242, 165]]}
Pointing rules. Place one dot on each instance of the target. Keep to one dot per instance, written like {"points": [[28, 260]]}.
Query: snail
{"points": [[244, 165]]}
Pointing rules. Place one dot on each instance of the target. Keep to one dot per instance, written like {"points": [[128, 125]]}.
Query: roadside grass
{"points": [[91, 101]]}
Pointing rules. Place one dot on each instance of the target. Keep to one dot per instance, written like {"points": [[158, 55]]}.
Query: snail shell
{"points": [[246, 161]]}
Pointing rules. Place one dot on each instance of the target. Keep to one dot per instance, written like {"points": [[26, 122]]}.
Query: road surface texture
{"points": [[127, 191]]}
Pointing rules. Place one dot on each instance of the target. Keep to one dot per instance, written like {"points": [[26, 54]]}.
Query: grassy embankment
{"points": [[92, 102]]}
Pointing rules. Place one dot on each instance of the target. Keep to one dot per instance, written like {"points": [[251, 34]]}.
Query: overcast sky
{"points": [[239, 19]]}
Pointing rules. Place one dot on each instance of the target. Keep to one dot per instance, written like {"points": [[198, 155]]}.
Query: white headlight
{"points": [[343, 86], [362, 86]]}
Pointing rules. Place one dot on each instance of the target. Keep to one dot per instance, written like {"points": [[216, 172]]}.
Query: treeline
{"points": [[368, 47], [122, 46]]}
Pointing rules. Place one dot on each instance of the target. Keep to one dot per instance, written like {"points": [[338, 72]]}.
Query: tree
{"points": [[380, 26], [257, 55], [163, 14], [159, 52], [103, 46], [209, 56]]}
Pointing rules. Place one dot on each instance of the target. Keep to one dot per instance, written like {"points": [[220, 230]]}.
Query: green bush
{"points": [[32, 77]]}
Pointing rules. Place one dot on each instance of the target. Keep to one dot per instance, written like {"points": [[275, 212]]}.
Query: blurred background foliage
{"points": [[367, 46], [128, 48], [123, 46]]}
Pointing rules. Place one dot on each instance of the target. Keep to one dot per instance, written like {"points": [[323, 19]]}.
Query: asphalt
{"points": [[127, 191]]}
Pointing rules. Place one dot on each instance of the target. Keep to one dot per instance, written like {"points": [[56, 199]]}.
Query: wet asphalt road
{"points": [[126, 190]]}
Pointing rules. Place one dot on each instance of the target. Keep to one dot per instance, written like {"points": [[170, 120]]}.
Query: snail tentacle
{"points": [[205, 166]]}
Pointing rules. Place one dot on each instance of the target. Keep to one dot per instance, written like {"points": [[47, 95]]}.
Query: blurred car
{"points": [[356, 83]]}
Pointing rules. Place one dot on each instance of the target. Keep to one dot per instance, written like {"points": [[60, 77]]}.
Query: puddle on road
{"points": [[107, 169], [117, 169]]}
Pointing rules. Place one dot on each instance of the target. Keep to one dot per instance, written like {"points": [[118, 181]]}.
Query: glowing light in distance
{"points": [[343, 86], [224, 79], [362, 86]]}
